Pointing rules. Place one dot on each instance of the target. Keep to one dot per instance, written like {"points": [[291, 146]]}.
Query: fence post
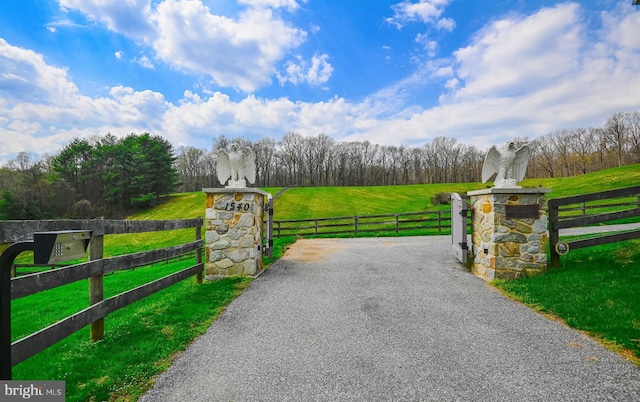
{"points": [[270, 227], [316, 222], [440, 222], [96, 287], [199, 254], [553, 233], [397, 223], [355, 224]]}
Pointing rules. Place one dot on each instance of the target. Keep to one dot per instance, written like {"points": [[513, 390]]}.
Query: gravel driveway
{"points": [[388, 319]]}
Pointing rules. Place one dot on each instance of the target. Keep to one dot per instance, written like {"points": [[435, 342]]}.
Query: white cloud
{"points": [[118, 55], [316, 72], [320, 70], [452, 84], [25, 127], [290, 5], [129, 17], [140, 108], [241, 52], [25, 76], [144, 61], [42, 110], [33, 91], [442, 72], [25, 142], [514, 56], [238, 53], [39, 101], [54, 25], [218, 114], [622, 26], [447, 24], [425, 11], [430, 46]]}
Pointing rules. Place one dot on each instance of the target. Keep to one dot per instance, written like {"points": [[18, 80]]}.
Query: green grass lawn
{"points": [[321, 202], [140, 339], [596, 290], [324, 202], [608, 179]]}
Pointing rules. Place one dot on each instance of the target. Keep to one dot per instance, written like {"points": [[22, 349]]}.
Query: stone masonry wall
{"points": [[233, 236], [508, 248]]}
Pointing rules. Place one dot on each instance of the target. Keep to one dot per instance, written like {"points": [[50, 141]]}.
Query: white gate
{"points": [[459, 227]]}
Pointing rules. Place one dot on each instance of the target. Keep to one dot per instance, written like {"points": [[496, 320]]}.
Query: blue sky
{"points": [[391, 72]]}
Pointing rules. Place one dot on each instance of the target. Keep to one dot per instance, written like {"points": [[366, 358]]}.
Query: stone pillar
{"points": [[233, 237], [509, 232]]}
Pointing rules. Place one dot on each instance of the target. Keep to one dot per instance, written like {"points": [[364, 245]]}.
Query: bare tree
{"points": [[190, 166], [290, 155], [471, 163], [632, 122], [324, 154], [616, 132], [559, 141], [265, 150], [581, 143], [546, 155]]}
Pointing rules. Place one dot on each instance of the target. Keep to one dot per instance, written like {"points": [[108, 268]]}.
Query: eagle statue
{"points": [[507, 163], [235, 166]]}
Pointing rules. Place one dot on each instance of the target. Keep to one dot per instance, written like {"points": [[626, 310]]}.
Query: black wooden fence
{"points": [[15, 231], [427, 221], [587, 209]]}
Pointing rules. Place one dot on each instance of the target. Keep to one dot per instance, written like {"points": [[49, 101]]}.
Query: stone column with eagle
{"points": [[234, 217]]}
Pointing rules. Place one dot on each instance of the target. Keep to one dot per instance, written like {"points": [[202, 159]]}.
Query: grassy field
{"points": [[140, 340], [596, 290], [321, 202]]}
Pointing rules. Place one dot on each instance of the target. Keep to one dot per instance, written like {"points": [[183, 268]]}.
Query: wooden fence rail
{"points": [[15, 231], [38, 282], [385, 223], [94, 270], [562, 215]]}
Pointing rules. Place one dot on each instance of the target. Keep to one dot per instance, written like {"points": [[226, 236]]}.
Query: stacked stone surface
{"points": [[233, 236], [508, 248]]}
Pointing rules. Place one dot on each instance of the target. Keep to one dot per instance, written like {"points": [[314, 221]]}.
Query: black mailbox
{"points": [[63, 245]]}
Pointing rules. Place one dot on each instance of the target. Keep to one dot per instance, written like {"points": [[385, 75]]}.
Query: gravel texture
{"points": [[388, 319]]}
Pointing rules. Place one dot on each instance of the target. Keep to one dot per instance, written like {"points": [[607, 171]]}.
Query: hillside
{"points": [[315, 202]]}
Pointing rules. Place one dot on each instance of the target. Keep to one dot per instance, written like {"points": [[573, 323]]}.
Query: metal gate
{"points": [[459, 227]]}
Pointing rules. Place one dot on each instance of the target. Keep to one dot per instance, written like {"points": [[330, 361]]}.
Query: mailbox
{"points": [[63, 245]]}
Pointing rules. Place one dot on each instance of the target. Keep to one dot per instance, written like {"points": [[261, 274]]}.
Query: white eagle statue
{"points": [[235, 166], [508, 163]]}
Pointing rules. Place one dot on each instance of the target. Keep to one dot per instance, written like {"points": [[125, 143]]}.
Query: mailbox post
{"points": [[48, 247]]}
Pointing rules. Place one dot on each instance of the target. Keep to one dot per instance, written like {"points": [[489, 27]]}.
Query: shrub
{"points": [[441, 199], [83, 210]]}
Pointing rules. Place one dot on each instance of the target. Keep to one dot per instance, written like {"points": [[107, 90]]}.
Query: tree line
{"points": [[104, 176], [319, 160], [109, 176]]}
